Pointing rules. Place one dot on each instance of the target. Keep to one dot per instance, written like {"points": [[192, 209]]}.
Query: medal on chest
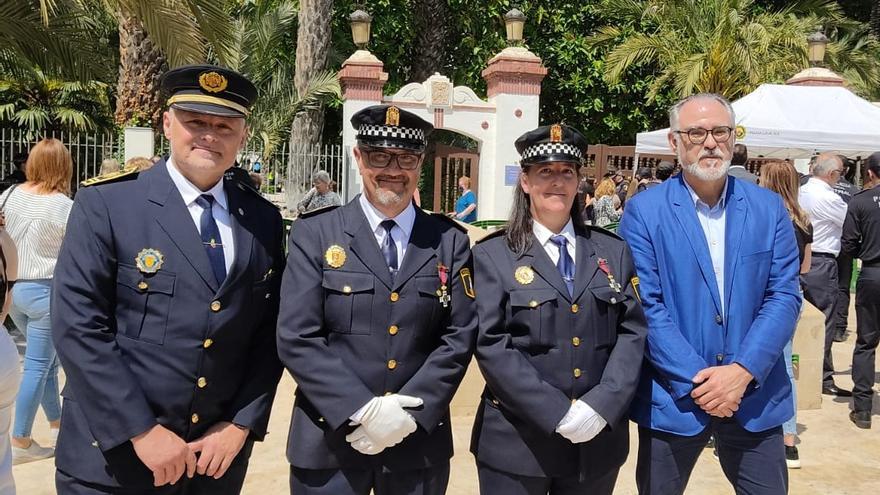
{"points": [[443, 293], [603, 265]]}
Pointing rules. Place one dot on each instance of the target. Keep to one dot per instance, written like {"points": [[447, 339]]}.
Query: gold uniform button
{"points": [[346, 289], [575, 308], [495, 402], [202, 383], [394, 296], [194, 418], [577, 373], [393, 329], [207, 343], [575, 341], [321, 419], [533, 304], [392, 364], [215, 306], [143, 285]]}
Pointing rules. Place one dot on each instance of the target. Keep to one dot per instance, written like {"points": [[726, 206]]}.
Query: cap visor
{"points": [[405, 144], [209, 109], [551, 159]]}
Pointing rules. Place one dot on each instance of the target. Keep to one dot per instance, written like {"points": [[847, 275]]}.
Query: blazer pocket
{"points": [[609, 309], [756, 257], [535, 309], [143, 301], [347, 294]]}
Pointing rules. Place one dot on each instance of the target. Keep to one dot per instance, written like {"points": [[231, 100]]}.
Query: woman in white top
{"points": [[9, 369], [36, 218]]}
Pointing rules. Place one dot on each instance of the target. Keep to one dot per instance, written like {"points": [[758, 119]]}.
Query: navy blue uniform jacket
{"points": [[170, 347], [540, 348], [350, 333]]}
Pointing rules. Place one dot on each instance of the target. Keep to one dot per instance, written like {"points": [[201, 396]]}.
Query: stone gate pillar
{"points": [[514, 86], [363, 81]]}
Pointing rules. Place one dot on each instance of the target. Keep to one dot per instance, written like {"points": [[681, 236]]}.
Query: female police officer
{"points": [[561, 335]]}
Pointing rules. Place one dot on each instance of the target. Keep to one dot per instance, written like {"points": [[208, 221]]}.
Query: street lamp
{"points": [[360, 28], [816, 44], [513, 22]]}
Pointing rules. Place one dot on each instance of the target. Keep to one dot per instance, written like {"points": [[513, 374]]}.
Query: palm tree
{"points": [[431, 18], [722, 46], [875, 18], [313, 39]]}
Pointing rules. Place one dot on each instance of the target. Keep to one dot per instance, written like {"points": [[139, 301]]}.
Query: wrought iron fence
{"points": [[87, 150]]}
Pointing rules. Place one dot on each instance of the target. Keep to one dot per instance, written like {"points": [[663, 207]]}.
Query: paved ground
{"points": [[837, 457]]}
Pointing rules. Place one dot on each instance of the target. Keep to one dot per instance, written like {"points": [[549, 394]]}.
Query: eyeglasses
{"points": [[382, 159], [698, 135]]}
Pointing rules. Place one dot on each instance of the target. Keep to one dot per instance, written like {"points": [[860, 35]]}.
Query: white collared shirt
{"points": [[713, 221], [827, 212], [399, 234], [551, 248], [220, 210]]}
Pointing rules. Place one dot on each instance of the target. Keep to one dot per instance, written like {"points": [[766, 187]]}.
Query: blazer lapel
{"points": [[419, 250], [174, 218], [542, 264], [242, 234], [736, 216], [587, 264], [363, 242], [686, 215]]}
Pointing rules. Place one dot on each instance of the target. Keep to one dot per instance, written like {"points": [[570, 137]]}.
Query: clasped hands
{"points": [[383, 423], [581, 424], [168, 456], [718, 390]]}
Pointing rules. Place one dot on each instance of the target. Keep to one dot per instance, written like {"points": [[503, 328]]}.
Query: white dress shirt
{"points": [[544, 238], [399, 234], [220, 209], [713, 222], [827, 213]]}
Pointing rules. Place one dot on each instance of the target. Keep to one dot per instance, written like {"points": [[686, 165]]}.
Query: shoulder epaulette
{"points": [[445, 218], [318, 211], [603, 231], [498, 233], [243, 180], [126, 173]]}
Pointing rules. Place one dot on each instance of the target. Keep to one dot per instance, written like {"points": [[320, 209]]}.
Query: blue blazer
{"points": [[679, 292]]}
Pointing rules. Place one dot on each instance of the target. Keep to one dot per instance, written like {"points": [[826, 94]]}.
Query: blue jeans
{"points": [[39, 381]]}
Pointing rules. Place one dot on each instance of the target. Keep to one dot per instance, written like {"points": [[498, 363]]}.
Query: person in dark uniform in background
{"points": [[164, 309], [561, 336], [377, 326], [664, 171], [738, 162], [861, 239], [846, 190]]}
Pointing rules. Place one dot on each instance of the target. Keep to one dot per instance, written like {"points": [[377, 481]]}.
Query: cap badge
{"points": [[524, 275], [335, 256], [149, 260], [212, 82], [392, 116], [555, 133]]}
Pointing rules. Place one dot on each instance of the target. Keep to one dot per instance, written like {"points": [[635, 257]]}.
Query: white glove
{"points": [[581, 423], [384, 420], [362, 442]]}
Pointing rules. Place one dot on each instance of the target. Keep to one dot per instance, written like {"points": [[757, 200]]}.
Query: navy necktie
{"points": [[389, 249], [211, 238], [565, 263]]}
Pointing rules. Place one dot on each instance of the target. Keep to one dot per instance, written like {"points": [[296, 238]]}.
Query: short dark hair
{"points": [[872, 164], [664, 170], [740, 155], [645, 173]]}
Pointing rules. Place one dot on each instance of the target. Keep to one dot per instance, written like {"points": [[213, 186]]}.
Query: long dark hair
{"points": [[519, 225]]}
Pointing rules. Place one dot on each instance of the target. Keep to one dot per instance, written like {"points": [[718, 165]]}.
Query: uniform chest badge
{"points": [[335, 256], [524, 275], [149, 260]]}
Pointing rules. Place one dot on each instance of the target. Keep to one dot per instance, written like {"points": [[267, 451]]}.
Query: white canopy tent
{"points": [[784, 121]]}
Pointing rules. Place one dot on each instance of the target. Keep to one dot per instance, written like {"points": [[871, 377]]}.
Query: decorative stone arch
{"points": [[514, 80]]}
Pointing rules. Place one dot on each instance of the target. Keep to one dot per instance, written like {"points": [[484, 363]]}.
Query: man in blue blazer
{"points": [[718, 268]]}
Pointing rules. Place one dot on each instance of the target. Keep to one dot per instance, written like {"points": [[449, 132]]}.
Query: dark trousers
{"points": [[820, 289], [428, 481], [754, 463], [867, 337], [495, 482], [229, 484], [844, 278]]}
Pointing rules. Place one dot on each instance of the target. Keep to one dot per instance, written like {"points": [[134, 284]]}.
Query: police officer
{"points": [[861, 239], [561, 335], [164, 309], [377, 326]]}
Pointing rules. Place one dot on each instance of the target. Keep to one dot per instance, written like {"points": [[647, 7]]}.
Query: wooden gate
{"points": [[450, 164]]}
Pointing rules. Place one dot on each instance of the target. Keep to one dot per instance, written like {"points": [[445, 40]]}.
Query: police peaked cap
{"points": [[209, 89], [387, 126], [552, 143]]}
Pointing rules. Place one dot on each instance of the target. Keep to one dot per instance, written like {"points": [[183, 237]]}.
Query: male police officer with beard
{"points": [[377, 326], [164, 309]]}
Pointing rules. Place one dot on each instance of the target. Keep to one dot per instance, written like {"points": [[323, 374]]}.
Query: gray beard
{"points": [[707, 174], [387, 198]]}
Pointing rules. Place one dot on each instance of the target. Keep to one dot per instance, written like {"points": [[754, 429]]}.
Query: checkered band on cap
{"points": [[393, 132], [552, 149]]}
